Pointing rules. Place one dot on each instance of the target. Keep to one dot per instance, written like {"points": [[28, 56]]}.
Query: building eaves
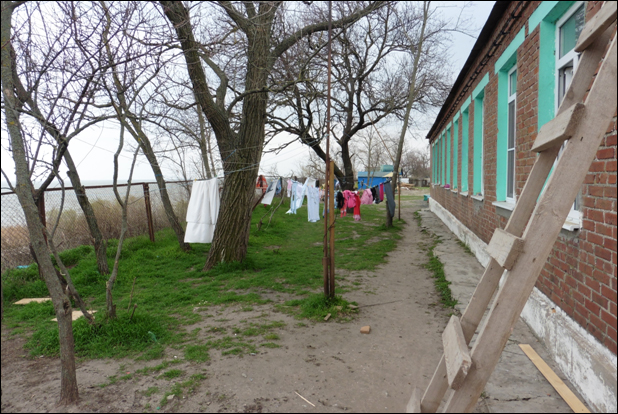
{"points": [[484, 37]]}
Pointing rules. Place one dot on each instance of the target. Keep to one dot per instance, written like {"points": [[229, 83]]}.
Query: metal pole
{"points": [[326, 261]]}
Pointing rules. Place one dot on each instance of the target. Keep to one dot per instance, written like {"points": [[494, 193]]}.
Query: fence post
{"points": [[149, 212], [40, 203]]}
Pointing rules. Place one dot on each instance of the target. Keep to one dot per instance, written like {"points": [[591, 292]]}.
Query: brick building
{"points": [[510, 86]]}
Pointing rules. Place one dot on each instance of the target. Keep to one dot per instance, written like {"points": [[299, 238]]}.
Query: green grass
{"points": [[465, 247], [170, 285], [436, 267], [317, 307]]}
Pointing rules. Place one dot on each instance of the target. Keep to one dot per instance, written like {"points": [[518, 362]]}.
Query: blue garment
{"points": [[293, 199]]}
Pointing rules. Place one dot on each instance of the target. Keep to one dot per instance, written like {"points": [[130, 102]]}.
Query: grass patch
{"points": [[171, 290], [172, 373], [151, 391], [317, 306], [436, 268], [197, 353], [180, 388], [465, 247], [270, 345]]}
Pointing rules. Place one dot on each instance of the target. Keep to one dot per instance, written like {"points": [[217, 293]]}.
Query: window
{"points": [[479, 115], [455, 152], [512, 132], [448, 157], [464, 151], [568, 29]]}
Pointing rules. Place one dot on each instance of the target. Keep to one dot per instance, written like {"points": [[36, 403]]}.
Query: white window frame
{"points": [[483, 147], [575, 215], [512, 98]]}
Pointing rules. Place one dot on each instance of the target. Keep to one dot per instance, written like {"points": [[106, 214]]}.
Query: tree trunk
{"points": [[62, 305], [411, 96], [320, 153], [100, 247], [144, 144], [348, 179], [231, 237]]}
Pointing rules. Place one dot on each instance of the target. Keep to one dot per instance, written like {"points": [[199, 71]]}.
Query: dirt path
{"points": [[332, 365]]}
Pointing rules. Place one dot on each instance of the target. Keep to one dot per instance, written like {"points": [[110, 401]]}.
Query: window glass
{"points": [[513, 83], [570, 30]]}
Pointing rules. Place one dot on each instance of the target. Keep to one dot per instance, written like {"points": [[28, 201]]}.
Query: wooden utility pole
{"points": [[328, 261]]}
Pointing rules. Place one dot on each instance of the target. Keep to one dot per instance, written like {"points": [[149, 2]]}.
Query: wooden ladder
{"points": [[523, 247]]}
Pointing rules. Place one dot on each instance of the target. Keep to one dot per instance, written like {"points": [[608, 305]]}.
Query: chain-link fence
{"points": [[145, 213]]}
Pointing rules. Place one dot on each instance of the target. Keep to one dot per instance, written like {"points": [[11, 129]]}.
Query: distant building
{"points": [[511, 85], [368, 179]]}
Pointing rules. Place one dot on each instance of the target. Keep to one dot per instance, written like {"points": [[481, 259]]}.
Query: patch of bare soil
{"points": [[330, 364]]}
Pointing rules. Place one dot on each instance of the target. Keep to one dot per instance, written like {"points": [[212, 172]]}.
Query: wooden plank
{"points": [[456, 353], [32, 300], [414, 405], [597, 25], [505, 248], [576, 405], [558, 129], [540, 234], [75, 315], [490, 280]]}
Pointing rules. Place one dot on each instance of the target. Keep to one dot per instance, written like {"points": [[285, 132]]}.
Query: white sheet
{"points": [[202, 211]]}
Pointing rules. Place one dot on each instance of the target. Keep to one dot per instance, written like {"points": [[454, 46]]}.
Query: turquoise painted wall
{"points": [[464, 150], [455, 151]]}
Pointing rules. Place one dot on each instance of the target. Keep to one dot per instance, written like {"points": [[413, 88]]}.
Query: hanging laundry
{"points": [[261, 184], [313, 204], [270, 193], [289, 188], [293, 196], [202, 211], [357, 203], [340, 201], [367, 198], [374, 194], [382, 192], [279, 186]]}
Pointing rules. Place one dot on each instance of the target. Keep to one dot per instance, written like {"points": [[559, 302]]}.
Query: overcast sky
{"points": [[93, 151]]}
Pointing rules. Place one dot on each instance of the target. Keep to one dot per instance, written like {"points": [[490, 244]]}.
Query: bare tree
{"points": [[254, 37], [427, 46], [25, 194], [129, 86], [415, 163], [46, 95]]}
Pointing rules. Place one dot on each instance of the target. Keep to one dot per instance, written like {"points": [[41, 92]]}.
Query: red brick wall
{"points": [[580, 274]]}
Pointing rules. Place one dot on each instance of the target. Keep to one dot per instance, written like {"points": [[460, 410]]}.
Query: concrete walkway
{"points": [[516, 385]]}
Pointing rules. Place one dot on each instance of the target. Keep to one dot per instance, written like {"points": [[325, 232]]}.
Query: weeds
{"points": [[465, 247], [171, 291]]}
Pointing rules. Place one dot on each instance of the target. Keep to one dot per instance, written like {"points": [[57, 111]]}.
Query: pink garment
{"points": [[346, 202], [382, 192], [350, 198], [357, 215], [367, 197]]}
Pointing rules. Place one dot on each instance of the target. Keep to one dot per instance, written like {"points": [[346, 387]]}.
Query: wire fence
{"points": [[145, 214]]}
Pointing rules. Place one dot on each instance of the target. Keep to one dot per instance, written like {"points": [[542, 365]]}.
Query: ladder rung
{"points": [[597, 25], [414, 405], [456, 353], [558, 129], [505, 248]]}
